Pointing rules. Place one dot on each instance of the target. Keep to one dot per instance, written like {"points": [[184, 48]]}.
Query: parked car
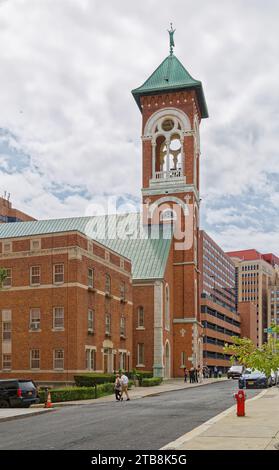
{"points": [[18, 393], [252, 378], [235, 372]]}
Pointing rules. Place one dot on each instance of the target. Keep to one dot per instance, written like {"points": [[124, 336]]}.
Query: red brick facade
{"points": [[183, 268], [10, 214], [248, 316], [166, 324], [75, 294]]}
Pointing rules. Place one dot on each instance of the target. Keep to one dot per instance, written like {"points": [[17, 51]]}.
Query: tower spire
{"points": [[171, 33]]}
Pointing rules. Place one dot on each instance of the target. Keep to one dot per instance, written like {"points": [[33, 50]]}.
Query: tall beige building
{"points": [[254, 274], [273, 300]]}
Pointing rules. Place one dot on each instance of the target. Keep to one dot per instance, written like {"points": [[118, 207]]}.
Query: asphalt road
{"points": [[146, 423]]}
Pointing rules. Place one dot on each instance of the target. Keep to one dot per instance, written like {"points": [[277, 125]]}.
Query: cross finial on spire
{"points": [[171, 33]]}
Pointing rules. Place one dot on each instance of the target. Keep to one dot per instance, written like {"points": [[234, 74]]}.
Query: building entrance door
{"points": [[108, 361]]}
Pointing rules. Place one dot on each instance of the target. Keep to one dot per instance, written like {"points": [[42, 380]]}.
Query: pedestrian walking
{"points": [[205, 372], [195, 375], [192, 373], [117, 387], [219, 374], [215, 372], [185, 374], [200, 374], [124, 386]]}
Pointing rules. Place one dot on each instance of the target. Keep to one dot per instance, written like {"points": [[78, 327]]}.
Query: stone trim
{"points": [[62, 234], [90, 347], [65, 285], [73, 252], [187, 320], [183, 188], [158, 366]]}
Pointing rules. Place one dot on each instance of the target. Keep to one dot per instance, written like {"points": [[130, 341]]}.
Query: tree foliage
{"points": [[264, 359]]}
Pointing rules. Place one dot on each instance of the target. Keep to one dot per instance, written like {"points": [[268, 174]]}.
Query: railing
{"points": [[160, 175]]}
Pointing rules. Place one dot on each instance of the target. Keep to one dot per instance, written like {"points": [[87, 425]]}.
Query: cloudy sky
{"points": [[70, 129]]}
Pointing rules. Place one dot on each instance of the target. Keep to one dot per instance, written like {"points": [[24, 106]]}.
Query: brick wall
{"points": [[73, 295]]}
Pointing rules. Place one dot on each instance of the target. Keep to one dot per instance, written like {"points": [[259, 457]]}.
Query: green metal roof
{"points": [[171, 75], [122, 233]]}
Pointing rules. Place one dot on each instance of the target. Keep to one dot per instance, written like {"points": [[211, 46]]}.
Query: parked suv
{"points": [[15, 393], [235, 372], [253, 378]]}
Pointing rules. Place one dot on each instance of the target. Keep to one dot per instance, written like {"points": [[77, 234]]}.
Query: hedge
{"points": [[140, 375], [151, 382], [77, 393], [90, 379]]}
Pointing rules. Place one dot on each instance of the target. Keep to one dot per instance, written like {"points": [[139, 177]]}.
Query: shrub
{"points": [[77, 393], [90, 379], [140, 375], [151, 382]]}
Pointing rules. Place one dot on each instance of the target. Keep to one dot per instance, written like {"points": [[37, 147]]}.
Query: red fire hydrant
{"points": [[240, 403]]}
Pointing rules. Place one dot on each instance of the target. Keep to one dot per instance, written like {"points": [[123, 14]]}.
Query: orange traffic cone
{"points": [[48, 403]]}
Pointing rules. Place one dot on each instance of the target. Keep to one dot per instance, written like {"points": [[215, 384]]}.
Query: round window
{"points": [[168, 125]]}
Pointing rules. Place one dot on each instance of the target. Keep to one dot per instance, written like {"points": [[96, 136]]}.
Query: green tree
{"points": [[265, 358]]}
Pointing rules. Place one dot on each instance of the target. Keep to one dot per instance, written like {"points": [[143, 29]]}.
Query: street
{"points": [[146, 423]]}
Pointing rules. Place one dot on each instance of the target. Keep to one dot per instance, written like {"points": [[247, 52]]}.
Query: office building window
{"points": [[90, 277], [58, 318], [58, 273], [35, 359], [58, 359], [35, 319], [35, 275], [140, 353], [7, 282]]}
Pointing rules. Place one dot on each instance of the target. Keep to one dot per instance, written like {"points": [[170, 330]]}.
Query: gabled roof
{"points": [[171, 75], [122, 233]]}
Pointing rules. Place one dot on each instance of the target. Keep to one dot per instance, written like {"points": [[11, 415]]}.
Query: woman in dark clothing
{"points": [[192, 375]]}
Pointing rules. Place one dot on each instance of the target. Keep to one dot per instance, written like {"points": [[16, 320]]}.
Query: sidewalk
{"points": [[258, 430], [7, 414], [135, 394]]}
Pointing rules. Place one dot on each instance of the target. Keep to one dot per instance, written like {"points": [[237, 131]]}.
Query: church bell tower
{"points": [[172, 104]]}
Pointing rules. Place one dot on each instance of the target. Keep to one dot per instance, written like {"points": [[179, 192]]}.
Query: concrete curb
{"points": [[174, 445], [27, 415]]}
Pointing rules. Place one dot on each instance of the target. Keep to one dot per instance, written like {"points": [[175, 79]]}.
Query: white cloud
{"points": [[67, 68]]}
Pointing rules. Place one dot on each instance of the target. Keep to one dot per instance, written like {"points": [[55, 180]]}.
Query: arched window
{"points": [[167, 306], [122, 326], [167, 148], [168, 215], [140, 317], [108, 284]]}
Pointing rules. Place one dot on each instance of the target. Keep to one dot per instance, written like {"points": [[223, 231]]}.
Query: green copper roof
{"points": [[123, 234], [171, 76]]}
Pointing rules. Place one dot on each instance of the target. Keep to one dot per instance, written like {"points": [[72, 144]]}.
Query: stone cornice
{"points": [[59, 286], [73, 252]]}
